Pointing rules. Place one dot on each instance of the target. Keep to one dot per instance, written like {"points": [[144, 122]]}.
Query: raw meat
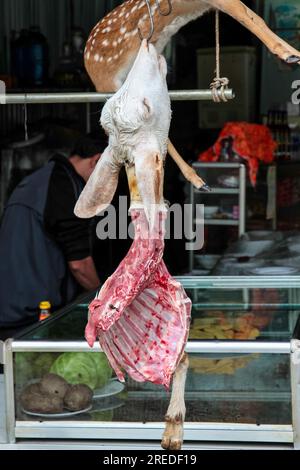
{"points": [[142, 314]]}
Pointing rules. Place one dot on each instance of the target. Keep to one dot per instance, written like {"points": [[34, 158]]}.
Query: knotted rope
{"points": [[219, 84]]}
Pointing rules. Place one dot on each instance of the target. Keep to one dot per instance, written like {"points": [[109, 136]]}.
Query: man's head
{"points": [[86, 153]]}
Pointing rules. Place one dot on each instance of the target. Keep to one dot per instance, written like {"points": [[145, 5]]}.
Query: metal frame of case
{"points": [[85, 431]]}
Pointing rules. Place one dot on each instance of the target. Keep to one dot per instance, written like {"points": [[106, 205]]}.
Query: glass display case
{"points": [[242, 384]]}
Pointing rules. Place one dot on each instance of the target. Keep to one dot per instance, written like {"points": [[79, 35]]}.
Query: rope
{"points": [[217, 26], [25, 121], [218, 85]]}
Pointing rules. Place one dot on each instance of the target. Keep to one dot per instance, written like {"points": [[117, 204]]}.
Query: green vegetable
{"points": [[43, 363], [23, 369], [103, 369], [32, 365], [82, 368]]}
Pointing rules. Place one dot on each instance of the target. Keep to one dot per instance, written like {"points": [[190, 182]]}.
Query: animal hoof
{"points": [[175, 445], [293, 59], [205, 188], [170, 444], [165, 443]]}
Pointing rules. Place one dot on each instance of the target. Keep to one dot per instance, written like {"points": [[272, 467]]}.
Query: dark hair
{"points": [[89, 145]]}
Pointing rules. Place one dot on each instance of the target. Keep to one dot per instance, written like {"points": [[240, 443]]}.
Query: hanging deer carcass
{"points": [[141, 315], [141, 292]]}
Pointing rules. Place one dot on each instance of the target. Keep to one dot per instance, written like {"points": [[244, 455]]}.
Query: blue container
{"points": [[30, 58]]}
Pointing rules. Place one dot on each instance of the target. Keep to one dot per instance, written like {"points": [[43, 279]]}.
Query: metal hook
{"points": [[160, 11], [151, 23]]}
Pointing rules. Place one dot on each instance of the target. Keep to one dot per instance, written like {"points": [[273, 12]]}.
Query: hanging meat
{"points": [[141, 315]]}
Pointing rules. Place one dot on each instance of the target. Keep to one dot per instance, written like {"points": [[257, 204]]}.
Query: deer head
{"points": [[137, 120]]}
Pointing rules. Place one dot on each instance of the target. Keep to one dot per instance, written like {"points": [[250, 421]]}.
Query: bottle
{"points": [[45, 310], [38, 56], [30, 57], [19, 45]]}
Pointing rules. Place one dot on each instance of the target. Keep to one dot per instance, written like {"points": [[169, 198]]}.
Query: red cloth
{"points": [[253, 142]]}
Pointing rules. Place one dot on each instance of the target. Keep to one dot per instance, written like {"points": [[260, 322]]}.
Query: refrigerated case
{"points": [[242, 384]]}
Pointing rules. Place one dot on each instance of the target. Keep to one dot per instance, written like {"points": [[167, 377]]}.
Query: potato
{"points": [[78, 397], [53, 384], [33, 388], [33, 400]]}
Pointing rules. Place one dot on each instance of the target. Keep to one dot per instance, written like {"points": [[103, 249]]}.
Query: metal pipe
{"points": [[238, 347], [47, 98], [209, 347], [139, 431]]}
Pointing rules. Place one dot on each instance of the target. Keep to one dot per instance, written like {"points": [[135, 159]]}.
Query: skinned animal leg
{"points": [[188, 172], [173, 435], [258, 27]]}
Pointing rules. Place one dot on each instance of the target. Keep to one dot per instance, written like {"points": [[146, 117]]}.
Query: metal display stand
{"points": [[239, 192]]}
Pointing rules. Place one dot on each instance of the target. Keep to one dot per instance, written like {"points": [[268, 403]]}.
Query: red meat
{"points": [[142, 315]]}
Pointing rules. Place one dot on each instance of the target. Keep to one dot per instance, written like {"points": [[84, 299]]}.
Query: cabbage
{"points": [[32, 365], [103, 369], [43, 363], [23, 368], [82, 368]]}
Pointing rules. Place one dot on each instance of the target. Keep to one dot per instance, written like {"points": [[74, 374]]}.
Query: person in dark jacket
{"points": [[45, 250]]}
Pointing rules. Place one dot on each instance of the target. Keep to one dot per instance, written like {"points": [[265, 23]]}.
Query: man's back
{"points": [[35, 245]]}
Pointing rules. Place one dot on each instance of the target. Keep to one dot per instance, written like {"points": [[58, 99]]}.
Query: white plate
{"points": [[263, 235], [108, 407], [290, 262], [64, 414], [199, 272], [274, 271], [228, 181], [251, 248], [113, 387], [294, 247], [206, 262]]}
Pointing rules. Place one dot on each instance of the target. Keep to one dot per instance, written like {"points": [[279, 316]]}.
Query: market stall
{"points": [[96, 373]]}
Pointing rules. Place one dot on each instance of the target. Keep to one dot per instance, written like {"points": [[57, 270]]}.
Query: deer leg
{"points": [[188, 172], [173, 435], [257, 26]]}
